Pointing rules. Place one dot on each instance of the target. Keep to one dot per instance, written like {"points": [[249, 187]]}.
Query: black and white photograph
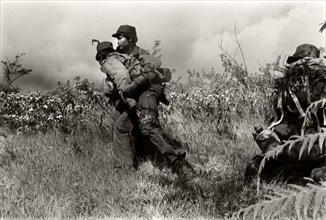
{"points": [[163, 109]]}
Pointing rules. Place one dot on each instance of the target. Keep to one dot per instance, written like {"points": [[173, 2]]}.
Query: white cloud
{"points": [[56, 36]]}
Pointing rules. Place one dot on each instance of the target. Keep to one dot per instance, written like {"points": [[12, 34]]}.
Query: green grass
{"points": [[51, 176]]}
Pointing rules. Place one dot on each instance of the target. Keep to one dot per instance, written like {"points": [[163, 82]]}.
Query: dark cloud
{"points": [[35, 81], [56, 36]]}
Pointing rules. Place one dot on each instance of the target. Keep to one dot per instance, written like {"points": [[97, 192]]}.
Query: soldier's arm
{"points": [[116, 72], [147, 68], [143, 80]]}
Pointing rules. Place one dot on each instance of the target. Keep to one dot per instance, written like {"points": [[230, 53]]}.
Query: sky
{"points": [[56, 35]]}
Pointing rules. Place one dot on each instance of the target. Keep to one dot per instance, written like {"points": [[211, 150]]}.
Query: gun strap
{"points": [[324, 117], [297, 103], [279, 107], [308, 89]]}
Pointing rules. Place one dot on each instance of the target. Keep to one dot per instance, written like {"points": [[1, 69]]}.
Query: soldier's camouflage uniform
{"points": [[140, 81], [304, 82]]}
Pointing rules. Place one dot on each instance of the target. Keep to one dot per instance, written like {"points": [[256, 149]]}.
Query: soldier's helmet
{"points": [[101, 47], [304, 50], [126, 29]]}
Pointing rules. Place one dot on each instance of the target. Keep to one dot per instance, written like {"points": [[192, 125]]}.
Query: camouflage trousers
{"points": [[150, 127], [135, 136], [124, 137]]}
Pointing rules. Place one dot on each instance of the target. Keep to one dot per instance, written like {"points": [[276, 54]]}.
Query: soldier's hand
{"points": [[108, 86], [130, 102], [128, 89]]}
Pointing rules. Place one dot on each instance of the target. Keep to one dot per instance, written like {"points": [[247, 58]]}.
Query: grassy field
{"points": [[52, 176], [67, 172]]}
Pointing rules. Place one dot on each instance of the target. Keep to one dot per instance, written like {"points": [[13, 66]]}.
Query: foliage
{"points": [[218, 98], [307, 202], [298, 148], [69, 184], [311, 115], [221, 98], [13, 70], [66, 108], [156, 50]]}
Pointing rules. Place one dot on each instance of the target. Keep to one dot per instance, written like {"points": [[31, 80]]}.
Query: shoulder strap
{"points": [[139, 52], [297, 103], [123, 58]]}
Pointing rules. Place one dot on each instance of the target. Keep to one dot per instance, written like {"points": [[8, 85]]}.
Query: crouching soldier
{"points": [[284, 143], [139, 84]]}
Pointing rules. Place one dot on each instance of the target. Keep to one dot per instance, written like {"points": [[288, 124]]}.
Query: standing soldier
{"points": [[148, 103]]}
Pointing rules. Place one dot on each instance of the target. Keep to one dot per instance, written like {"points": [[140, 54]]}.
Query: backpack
{"points": [[164, 73]]}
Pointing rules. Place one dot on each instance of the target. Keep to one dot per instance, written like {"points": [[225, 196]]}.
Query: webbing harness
{"points": [[278, 106], [297, 103]]}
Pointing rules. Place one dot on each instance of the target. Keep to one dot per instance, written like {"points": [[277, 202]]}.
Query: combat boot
{"points": [[184, 170]]}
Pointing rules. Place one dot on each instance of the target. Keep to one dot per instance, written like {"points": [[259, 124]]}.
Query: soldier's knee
{"points": [[148, 124], [146, 128]]}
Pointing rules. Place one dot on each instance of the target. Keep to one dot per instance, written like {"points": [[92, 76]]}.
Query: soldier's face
{"points": [[123, 43]]}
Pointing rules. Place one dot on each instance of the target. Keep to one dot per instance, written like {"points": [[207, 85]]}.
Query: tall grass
{"points": [[66, 172], [51, 176]]}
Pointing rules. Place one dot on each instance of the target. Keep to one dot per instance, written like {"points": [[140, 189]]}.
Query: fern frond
{"points": [[277, 208], [303, 147], [281, 194], [313, 186], [302, 198], [297, 187], [298, 202], [269, 210], [295, 137], [270, 197], [256, 210], [306, 202], [288, 201], [322, 138], [312, 141], [319, 200], [291, 144], [312, 110]]}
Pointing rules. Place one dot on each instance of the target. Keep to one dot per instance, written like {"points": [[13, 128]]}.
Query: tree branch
{"points": [[236, 37]]}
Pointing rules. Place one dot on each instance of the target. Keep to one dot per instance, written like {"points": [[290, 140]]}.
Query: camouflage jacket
{"points": [[304, 82]]}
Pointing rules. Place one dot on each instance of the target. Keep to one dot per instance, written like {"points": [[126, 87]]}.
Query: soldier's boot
{"points": [[184, 170]]}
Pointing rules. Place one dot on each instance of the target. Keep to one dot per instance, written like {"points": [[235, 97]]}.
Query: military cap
{"points": [[102, 46], [304, 50], [125, 29]]}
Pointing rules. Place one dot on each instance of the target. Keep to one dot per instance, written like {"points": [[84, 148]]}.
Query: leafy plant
{"points": [[312, 117], [13, 70], [308, 203]]}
